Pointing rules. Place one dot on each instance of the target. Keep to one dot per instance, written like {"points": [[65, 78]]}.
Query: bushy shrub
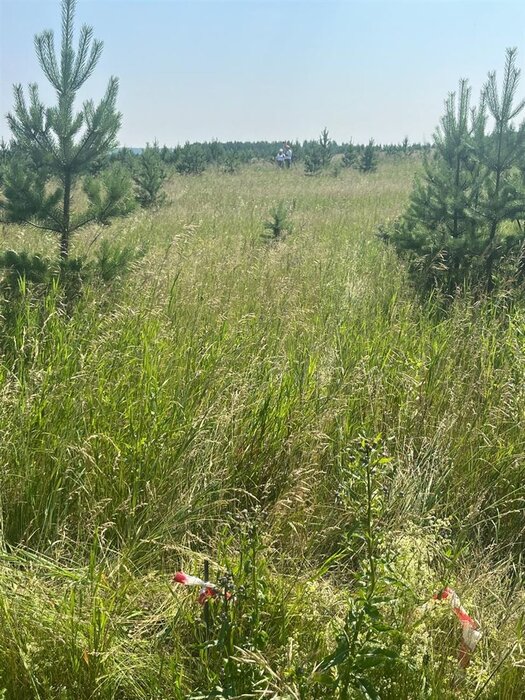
{"points": [[231, 163]]}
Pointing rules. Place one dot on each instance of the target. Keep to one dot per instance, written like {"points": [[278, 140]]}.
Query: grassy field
{"points": [[292, 414]]}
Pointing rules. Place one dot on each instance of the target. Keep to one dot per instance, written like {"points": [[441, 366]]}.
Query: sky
{"points": [[272, 70]]}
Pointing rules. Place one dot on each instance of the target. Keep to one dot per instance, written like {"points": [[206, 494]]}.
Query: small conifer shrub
{"points": [[279, 223]]}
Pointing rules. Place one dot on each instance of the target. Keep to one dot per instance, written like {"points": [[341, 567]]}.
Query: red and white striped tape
{"points": [[470, 630], [207, 589]]}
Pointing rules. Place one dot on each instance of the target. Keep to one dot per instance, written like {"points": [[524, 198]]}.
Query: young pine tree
{"points": [[314, 159], [279, 222], [59, 147], [439, 234], [453, 233], [191, 159], [446, 198], [350, 155], [504, 152], [149, 176], [326, 147], [368, 162]]}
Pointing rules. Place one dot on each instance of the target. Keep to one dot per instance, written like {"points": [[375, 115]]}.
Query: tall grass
{"points": [[209, 408]]}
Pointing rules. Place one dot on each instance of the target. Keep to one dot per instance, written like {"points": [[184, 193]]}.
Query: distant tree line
{"points": [[149, 167], [117, 179], [314, 155]]}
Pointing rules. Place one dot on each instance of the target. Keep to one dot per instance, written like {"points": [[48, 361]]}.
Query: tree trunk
{"points": [[64, 236], [490, 257]]}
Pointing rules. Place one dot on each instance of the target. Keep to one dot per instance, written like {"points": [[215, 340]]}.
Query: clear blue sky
{"points": [[261, 69]]}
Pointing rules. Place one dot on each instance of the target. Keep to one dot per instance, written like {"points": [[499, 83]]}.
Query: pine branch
{"points": [[67, 53], [45, 51], [85, 65]]}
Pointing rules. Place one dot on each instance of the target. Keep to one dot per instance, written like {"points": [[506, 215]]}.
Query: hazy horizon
{"points": [[272, 71]]}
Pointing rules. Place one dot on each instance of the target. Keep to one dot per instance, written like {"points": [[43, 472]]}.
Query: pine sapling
{"points": [[279, 222], [59, 147], [149, 175]]}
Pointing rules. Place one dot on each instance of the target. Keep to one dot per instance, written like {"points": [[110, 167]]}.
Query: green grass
{"points": [[208, 407]]}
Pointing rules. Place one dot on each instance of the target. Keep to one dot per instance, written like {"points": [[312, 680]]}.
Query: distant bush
{"points": [[336, 168], [231, 163]]}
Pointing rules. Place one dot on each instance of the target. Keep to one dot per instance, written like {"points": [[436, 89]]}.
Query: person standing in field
{"points": [[280, 158], [288, 155]]}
